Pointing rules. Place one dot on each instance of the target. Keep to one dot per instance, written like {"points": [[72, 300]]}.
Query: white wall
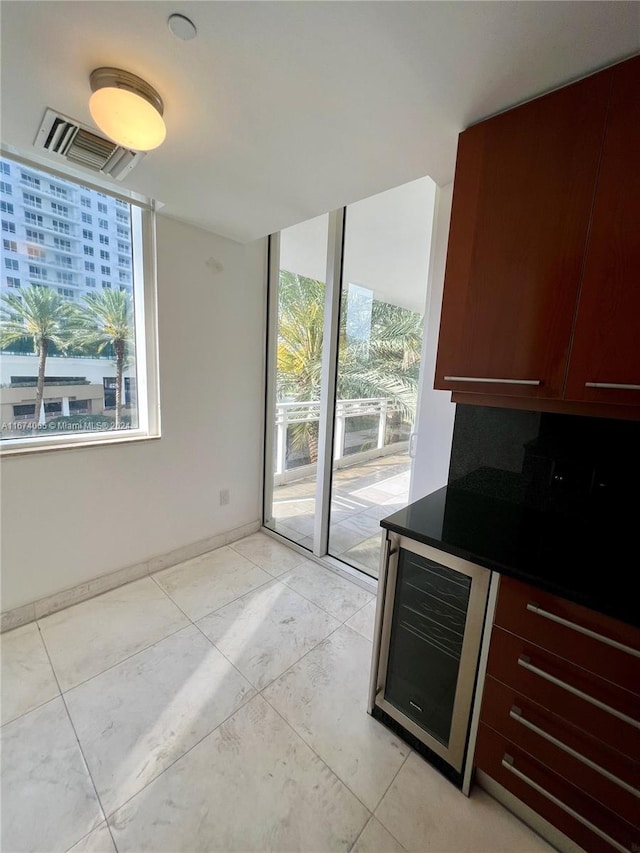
{"points": [[70, 516], [434, 422]]}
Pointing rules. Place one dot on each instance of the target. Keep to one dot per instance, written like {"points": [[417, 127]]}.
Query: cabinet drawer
{"points": [[605, 710], [573, 812], [601, 772], [609, 648]]}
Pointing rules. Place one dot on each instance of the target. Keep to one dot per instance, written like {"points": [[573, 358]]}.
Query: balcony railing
{"points": [[293, 414]]}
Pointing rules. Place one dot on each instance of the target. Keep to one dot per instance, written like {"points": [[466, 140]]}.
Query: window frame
{"points": [[144, 292]]}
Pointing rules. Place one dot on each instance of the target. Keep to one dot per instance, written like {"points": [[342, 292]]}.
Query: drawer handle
{"points": [[587, 631], [525, 663], [516, 714], [499, 381], [615, 385], [508, 764]]}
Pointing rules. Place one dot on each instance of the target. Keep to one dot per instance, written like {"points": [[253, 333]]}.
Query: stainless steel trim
{"points": [[377, 630], [454, 752], [622, 386], [516, 714], [525, 663], [508, 764], [587, 631], [492, 600], [328, 381], [498, 381]]}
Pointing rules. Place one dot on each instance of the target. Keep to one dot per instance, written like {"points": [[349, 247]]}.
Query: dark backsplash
{"points": [[553, 462]]}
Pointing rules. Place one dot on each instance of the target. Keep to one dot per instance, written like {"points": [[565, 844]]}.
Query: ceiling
{"points": [[280, 111]]}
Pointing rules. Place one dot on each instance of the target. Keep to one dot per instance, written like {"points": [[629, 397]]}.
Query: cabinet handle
{"points": [[508, 764], [516, 714], [525, 663], [500, 381], [615, 385], [587, 631]]}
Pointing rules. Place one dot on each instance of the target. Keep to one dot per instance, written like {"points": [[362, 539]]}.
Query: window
{"points": [[32, 200], [6, 207], [54, 271], [5, 169], [121, 217], [124, 262], [26, 178], [123, 276], [6, 188], [122, 247]]}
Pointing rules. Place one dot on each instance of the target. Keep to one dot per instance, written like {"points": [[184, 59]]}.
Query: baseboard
{"points": [[74, 595]]}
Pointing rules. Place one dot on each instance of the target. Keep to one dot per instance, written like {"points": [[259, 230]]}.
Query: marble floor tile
{"points": [[265, 552], [365, 555], [210, 581], [376, 839], [251, 785], [332, 593], [48, 801], [363, 620], [345, 535], [27, 679], [265, 632], [137, 718], [90, 637], [427, 814], [324, 698], [98, 841]]}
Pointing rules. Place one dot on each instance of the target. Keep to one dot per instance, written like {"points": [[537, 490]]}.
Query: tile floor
{"points": [[219, 705]]}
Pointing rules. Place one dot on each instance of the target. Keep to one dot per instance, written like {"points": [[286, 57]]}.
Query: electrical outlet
{"points": [[224, 497]]}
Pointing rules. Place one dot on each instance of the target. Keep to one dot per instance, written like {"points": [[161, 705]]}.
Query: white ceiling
{"points": [[280, 111]]}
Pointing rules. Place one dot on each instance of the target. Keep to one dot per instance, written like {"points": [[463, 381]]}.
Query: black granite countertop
{"points": [[588, 554]]}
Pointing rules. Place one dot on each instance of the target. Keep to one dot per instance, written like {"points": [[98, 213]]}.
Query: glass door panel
{"points": [[297, 297], [384, 286]]}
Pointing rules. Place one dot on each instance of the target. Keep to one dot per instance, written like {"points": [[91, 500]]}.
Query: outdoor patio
{"points": [[362, 494]]}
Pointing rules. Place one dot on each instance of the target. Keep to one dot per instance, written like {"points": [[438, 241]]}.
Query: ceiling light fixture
{"points": [[127, 109]]}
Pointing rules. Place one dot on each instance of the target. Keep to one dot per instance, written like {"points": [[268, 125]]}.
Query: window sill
{"points": [[23, 447]]}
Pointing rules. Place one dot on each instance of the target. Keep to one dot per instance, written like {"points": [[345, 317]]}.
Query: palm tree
{"points": [[386, 363], [106, 320], [42, 316]]}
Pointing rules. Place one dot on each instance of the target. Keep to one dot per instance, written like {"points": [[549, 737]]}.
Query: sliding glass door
{"points": [[347, 296]]}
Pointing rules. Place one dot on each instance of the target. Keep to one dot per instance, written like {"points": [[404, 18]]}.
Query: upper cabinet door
{"points": [[522, 200], [606, 347]]}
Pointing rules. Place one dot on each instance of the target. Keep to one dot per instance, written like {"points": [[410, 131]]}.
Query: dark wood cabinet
{"points": [[542, 283], [605, 355], [559, 728]]}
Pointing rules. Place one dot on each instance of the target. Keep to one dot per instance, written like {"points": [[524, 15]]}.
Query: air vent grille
{"points": [[76, 143]]}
